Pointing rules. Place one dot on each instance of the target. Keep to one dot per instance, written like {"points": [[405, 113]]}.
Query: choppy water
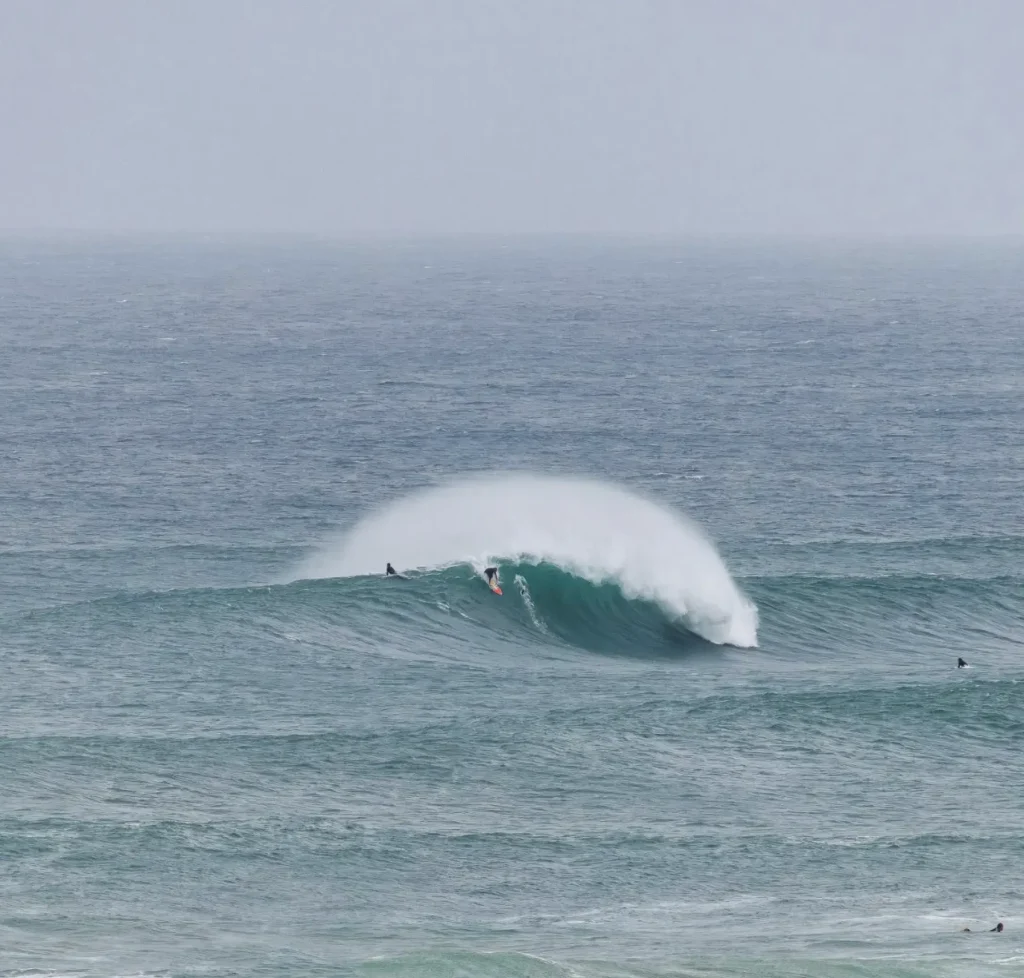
{"points": [[229, 746]]}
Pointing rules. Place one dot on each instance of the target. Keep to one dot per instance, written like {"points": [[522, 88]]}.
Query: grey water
{"points": [[214, 763]]}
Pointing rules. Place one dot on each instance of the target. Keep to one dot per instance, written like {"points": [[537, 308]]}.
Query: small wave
{"points": [[513, 964], [592, 530], [470, 964], [932, 610]]}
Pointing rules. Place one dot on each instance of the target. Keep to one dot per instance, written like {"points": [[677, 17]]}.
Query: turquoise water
{"points": [[749, 502]]}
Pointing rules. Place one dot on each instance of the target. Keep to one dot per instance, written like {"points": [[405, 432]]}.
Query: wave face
{"points": [[597, 532]]}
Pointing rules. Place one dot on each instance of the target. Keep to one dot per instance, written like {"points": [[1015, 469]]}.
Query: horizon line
{"points": [[413, 235]]}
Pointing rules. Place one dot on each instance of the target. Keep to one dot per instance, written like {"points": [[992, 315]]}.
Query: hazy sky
{"points": [[348, 116]]}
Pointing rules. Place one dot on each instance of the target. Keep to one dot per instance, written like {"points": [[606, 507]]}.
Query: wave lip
{"points": [[592, 529]]}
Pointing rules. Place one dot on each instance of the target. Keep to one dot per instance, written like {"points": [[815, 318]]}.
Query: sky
{"points": [[352, 117]]}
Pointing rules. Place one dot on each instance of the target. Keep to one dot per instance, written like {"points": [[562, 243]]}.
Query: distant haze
{"points": [[423, 116]]}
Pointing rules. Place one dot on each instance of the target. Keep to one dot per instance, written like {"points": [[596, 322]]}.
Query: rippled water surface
{"points": [[749, 504]]}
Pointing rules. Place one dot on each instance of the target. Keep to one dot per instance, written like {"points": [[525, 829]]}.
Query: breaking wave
{"points": [[602, 533]]}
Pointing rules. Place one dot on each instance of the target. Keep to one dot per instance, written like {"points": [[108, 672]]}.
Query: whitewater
{"points": [[599, 532]]}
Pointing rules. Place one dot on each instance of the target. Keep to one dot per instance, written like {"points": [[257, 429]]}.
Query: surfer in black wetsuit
{"points": [[491, 573], [390, 572], [998, 929], [960, 664]]}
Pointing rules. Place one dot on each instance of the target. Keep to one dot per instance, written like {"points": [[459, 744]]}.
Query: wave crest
{"points": [[600, 532]]}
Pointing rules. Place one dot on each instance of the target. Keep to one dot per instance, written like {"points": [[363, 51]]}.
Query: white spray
{"points": [[592, 529], [524, 593]]}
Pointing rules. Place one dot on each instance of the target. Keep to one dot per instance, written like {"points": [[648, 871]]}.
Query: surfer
{"points": [[998, 929], [960, 664], [390, 572], [491, 573]]}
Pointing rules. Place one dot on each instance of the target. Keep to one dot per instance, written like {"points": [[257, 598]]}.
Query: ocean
{"points": [[749, 501]]}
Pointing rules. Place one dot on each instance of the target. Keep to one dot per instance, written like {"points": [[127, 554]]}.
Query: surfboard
{"points": [[494, 587]]}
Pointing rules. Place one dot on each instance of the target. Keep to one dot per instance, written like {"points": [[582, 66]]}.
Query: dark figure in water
{"points": [[390, 572], [998, 929], [959, 662], [491, 573]]}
